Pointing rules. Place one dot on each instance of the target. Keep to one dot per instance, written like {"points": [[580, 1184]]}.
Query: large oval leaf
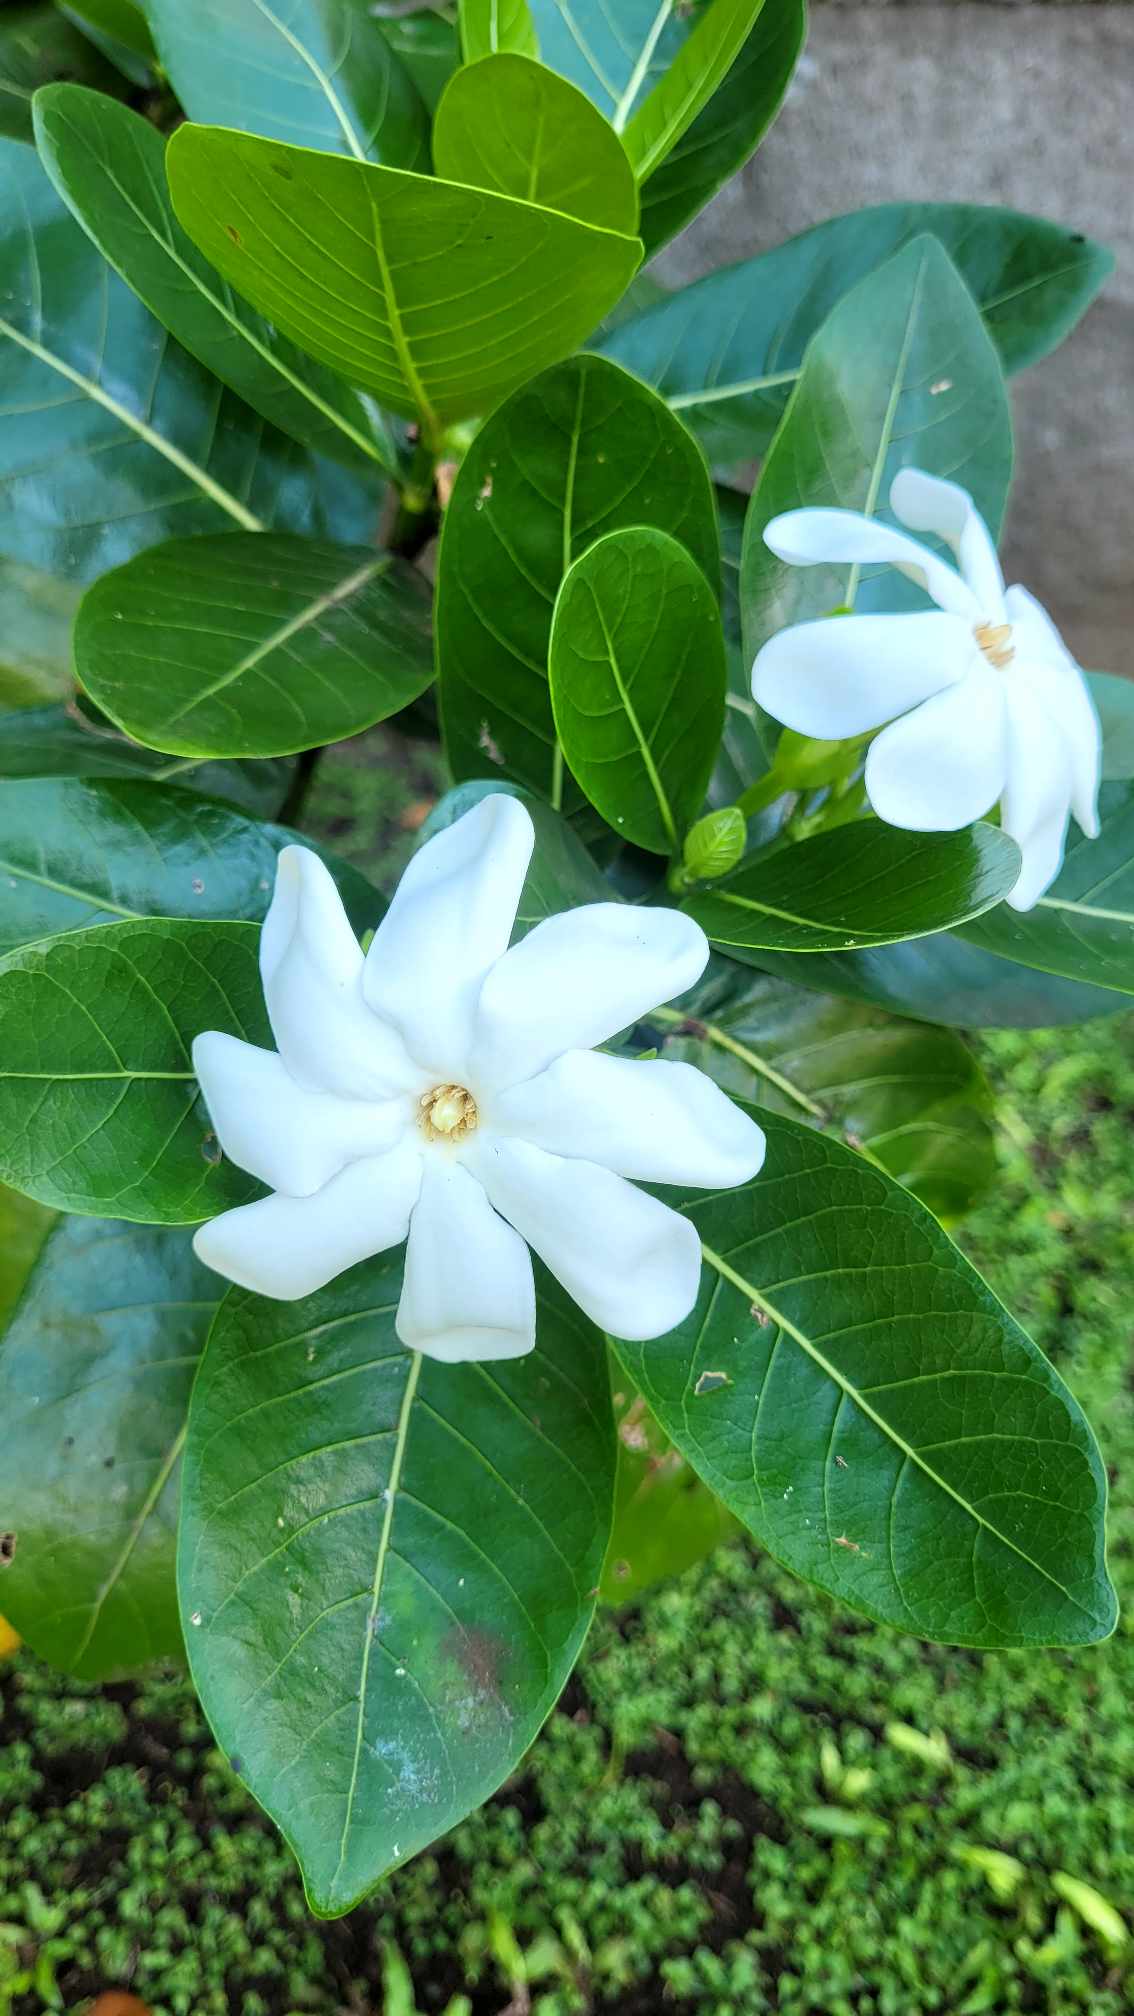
{"points": [[522, 286], [491, 26], [24, 1225], [653, 121], [123, 21], [508, 124], [37, 45], [1031, 280], [911, 1097], [902, 372], [637, 672], [878, 1420], [242, 646], [76, 852], [319, 73], [66, 742], [1083, 927], [112, 436], [99, 1107], [582, 451], [387, 1566], [108, 164], [864, 884], [95, 1373]]}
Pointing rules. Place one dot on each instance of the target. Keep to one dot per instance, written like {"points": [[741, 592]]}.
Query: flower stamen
{"points": [[447, 1113], [995, 640]]}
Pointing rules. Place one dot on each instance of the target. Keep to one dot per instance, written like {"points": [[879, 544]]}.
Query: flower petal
{"points": [[1037, 796], [845, 675], [450, 920], [933, 504], [469, 1291], [656, 1121], [632, 1264], [311, 965], [575, 981], [1045, 664], [293, 1139], [943, 765], [814, 537], [287, 1247]]}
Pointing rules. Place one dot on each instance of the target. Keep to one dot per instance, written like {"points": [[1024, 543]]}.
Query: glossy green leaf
{"points": [[902, 372], [108, 164], [1114, 700], [111, 436], [727, 351], [427, 46], [37, 45], [941, 979], [66, 742], [79, 851], [730, 127], [36, 615], [508, 124], [863, 884], [317, 73], [653, 123], [637, 672], [123, 21], [665, 1518], [492, 26], [909, 1096], [99, 1108], [1083, 927], [387, 1566], [583, 451], [561, 874], [242, 646], [24, 1225], [521, 286], [95, 1372], [880, 1422]]}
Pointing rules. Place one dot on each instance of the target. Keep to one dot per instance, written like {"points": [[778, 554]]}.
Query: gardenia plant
{"points": [[412, 1275]]}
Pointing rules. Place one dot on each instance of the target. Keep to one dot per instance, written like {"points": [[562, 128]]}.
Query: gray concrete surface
{"points": [[989, 103]]}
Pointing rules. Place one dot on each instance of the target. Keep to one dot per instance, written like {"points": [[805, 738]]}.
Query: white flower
{"points": [[445, 1086], [984, 701]]}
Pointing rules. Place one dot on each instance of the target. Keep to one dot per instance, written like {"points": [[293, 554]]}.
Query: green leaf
{"points": [[77, 851], [583, 451], [24, 1225], [909, 1096], [561, 874], [942, 979], [885, 1428], [427, 46], [508, 124], [637, 672], [863, 884], [652, 125], [522, 286], [36, 615], [108, 164], [730, 127], [318, 73], [665, 1519], [1114, 700], [902, 372], [727, 350], [1083, 927], [99, 1108], [387, 1566], [254, 646], [122, 21], [112, 436], [95, 1373], [489, 26], [37, 45], [65, 742]]}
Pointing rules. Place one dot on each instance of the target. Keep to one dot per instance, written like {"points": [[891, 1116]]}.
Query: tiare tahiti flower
{"points": [[446, 1086], [984, 702]]}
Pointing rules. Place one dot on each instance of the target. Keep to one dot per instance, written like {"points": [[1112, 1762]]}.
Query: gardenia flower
{"points": [[445, 1086], [984, 701]]}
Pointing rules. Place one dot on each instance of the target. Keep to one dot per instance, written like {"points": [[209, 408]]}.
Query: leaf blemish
{"points": [[711, 1382], [234, 234], [7, 1549]]}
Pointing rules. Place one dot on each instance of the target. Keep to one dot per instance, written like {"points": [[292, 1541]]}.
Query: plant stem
{"points": [[416, 517], [761, 794]]}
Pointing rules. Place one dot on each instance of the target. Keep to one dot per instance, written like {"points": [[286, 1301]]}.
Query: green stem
{"points": [[416, 517], [761, 794]]}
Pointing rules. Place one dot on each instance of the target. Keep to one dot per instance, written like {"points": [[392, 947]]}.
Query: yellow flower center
{"points": [[447, 1113], [995, 640]]}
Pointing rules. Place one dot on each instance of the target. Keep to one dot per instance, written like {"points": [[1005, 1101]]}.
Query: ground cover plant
{"points": [[427, 1252]]}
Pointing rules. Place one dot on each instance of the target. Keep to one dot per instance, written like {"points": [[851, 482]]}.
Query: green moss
{"points": [[750, 1801]]}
